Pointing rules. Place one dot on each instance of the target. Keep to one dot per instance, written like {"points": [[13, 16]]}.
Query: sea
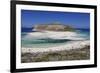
{"points": [[28, 41]]}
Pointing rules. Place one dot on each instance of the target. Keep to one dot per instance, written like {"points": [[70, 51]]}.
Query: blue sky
{"points": [[29, 18]]}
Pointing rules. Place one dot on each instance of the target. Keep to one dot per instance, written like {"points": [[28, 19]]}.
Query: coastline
{"points": [[72, 54], [67, 46], [71, 35], [77, 49]]}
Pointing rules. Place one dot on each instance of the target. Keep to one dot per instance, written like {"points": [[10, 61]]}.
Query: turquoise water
{"points": [[30, 42]]}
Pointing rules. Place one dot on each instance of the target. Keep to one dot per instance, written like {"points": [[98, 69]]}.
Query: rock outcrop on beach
{"points": [[74, 54], [52, 27]]}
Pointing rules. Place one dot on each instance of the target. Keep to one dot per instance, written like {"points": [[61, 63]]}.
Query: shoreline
{"points": [[73, 54], [71, 35], [67, 46]]}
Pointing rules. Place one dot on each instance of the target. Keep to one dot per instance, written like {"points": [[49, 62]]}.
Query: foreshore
{"points": [[72, 54], [54, 35], [67, 46], [76, 46]]}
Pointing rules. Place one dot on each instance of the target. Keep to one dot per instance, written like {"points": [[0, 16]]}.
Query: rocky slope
{"points": [[52, 27]]}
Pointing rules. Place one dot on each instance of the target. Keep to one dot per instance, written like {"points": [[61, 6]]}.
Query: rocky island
{"points": [[54, 31], [52, 27]]}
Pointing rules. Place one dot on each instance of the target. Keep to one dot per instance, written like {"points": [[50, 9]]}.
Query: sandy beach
{"points": [[67, 46]]}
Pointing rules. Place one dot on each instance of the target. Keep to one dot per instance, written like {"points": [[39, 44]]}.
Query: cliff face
{"points": [[52, 27]]}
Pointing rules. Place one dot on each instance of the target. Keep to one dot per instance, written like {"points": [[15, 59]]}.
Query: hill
{"points": [[52, 27]]}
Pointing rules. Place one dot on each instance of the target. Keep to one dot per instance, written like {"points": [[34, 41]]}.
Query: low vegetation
{"points": [[53, 27], [74, 54]]}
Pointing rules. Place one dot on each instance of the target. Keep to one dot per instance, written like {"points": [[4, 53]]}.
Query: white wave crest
{"points": [[54, 35]]}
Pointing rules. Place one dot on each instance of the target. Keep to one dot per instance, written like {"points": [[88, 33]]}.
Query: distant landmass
{"points": [[52, 27]]}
